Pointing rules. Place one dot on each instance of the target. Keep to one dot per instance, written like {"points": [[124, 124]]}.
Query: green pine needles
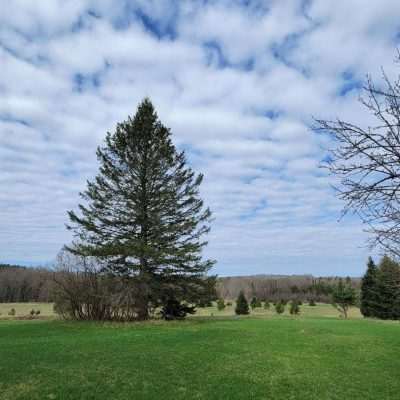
{"points": [[143, 218]]}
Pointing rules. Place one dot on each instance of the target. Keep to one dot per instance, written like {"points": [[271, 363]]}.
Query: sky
{"points": [[238, 83]]}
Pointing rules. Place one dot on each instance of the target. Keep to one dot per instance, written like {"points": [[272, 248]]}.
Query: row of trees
{"points": [[243, 307], [21, 284], [274, 288]]}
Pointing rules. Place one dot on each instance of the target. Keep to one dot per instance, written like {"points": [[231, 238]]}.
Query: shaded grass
{"points": [[201, 358]]}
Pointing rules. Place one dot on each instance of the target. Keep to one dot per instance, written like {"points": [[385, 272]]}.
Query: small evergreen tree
{"points": [[255, 302], [279, 307], [312, 303], [294, 307], [220, 304], [369, 298], [343, 297], [242, 306]]}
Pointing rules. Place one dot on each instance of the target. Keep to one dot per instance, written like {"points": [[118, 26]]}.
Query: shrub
{"points": [[228, 303], [242, 306], [32, 312], [12, 312], [294, 307], [37, 312], [280, 307], [220, 304], [255, 303], [266, 305], [312, 303], [174, 309]]}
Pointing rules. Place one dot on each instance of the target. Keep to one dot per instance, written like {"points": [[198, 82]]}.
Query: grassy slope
{"points": [[221, 358]]}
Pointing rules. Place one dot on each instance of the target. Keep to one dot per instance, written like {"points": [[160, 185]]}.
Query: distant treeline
{"points": [[275, 288], [22, 284]]}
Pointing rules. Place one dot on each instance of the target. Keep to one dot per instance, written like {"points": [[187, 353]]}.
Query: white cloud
{"points": [[237, 84]]}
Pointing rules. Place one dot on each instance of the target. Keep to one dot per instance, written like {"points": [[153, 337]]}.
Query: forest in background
{"points": [[26, 284]]}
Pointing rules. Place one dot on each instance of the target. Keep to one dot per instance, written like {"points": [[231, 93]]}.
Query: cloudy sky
{"points": [[238, 82]]}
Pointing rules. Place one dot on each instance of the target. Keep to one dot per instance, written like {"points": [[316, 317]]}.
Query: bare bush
{"points": [[83, 291]]}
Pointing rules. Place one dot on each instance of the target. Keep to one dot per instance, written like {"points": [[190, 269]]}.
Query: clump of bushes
{"points": [[294, 307], [279, 307], [34, 313], [242, 306], [220, 304], [12, 312]]}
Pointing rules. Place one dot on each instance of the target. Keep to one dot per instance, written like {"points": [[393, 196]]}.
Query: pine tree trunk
{"points": [[143, 302], [143, 311]]}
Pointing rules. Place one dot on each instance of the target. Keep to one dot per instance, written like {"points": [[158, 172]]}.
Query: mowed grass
{"points": [[320, 310], [23, 309], [256, 357]]}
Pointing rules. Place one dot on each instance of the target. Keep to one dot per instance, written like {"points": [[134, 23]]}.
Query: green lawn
{"points": [[257, 357]]}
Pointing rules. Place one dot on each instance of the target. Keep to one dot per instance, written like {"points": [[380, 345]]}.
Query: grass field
{"points": [[23, 309], [321, 310], [314, 356]]}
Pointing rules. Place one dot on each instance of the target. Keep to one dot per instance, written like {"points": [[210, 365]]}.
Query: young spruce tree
{"points": [[369, 299], [242, 306], [343, 296], [143, 218]]}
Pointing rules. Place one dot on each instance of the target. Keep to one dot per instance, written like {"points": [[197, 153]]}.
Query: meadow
{"points": [[211, 356], [320, 310]]}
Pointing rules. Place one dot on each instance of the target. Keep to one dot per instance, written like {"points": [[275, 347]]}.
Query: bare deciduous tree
{"points": [[367, 163]]}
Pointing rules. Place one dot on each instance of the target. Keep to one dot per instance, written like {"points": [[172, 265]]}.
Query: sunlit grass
{"points": [[272, 357]]}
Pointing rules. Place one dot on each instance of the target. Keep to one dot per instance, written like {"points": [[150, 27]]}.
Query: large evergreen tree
{"points": [[369, 291], [388, 288], [143, 218]]}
